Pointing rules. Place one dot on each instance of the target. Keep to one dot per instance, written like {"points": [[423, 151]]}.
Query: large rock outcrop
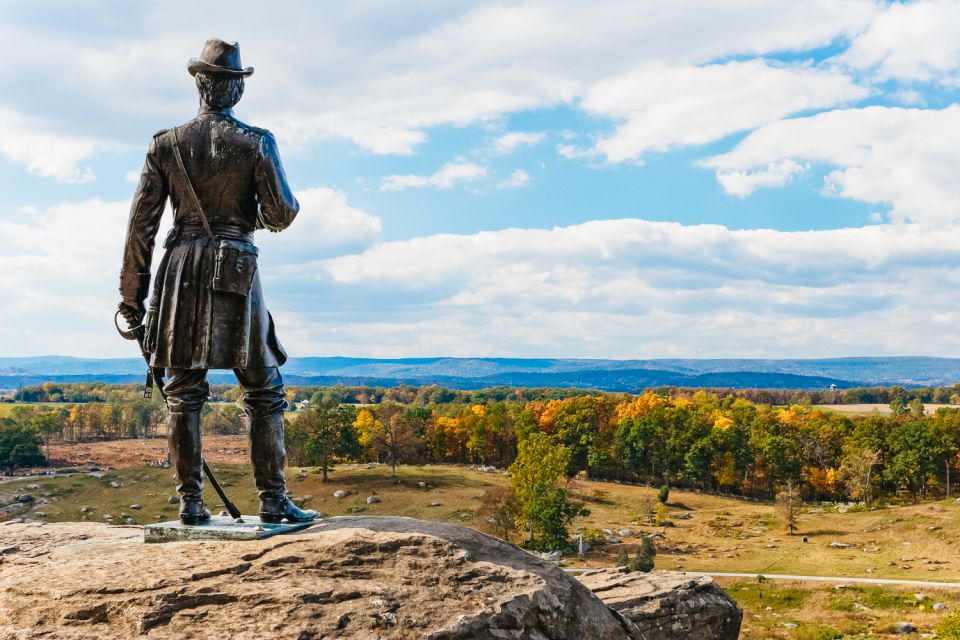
{"points": [[665, 605], [348, 577]]}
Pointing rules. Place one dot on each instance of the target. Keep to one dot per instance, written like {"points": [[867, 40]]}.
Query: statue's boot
{"points": [[183, 431], [269, 457]]}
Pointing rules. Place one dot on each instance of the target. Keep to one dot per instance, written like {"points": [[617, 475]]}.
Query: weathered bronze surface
{"points": [[217, 528], [206, 311]]}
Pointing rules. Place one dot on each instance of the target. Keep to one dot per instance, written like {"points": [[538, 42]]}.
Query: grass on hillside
{"points": [[815, 611], [722, 534]]}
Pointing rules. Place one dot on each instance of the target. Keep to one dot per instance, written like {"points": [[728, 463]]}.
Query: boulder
{"points": [[665, 605], [345, 577]]}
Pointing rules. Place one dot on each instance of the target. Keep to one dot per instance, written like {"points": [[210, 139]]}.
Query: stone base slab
{"points": [[218, 528]]}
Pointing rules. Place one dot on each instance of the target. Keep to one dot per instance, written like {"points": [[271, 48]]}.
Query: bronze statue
{"points": [[224, 180]]}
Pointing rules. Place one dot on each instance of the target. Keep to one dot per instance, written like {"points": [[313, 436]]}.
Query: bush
{"points": [[949, 627], [20, 447], [664, 494], [643, 560]]}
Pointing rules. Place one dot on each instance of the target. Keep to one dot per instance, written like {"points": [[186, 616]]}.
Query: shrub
{"points": [[949, 627], [643, 560], [664, 494]]}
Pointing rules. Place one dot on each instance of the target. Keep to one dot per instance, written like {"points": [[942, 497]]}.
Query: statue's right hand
{"points": [[132, 313]]}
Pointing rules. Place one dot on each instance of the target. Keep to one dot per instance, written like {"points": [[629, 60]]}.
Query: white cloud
{"points": [[367, 76], [326, 224], [518, 178], [508, 142], [664, 106], [623, 287], [776, 174], [444, 178], [905, 158], [30, 142], [911, 42]]}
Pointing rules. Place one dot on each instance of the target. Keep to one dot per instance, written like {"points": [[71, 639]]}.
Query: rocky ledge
{"points": [[348, 577]]}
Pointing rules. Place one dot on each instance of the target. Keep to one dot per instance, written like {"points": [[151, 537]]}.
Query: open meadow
{"points": [[706, 532]]}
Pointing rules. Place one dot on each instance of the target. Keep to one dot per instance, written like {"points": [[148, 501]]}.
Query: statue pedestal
{"points": [[218, 528]]}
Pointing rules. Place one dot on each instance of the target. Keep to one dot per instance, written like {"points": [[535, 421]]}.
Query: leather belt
{"points": [[228, 231]]}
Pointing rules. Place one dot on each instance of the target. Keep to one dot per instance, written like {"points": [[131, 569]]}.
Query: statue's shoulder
{"points": [[249, 128], [160, 133]]}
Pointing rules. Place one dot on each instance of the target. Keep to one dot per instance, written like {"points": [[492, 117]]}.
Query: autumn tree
{"points": [[323, 431], [387, 430]]}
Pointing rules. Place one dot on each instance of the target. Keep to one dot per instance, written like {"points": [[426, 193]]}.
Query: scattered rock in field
{"points": [[32, 487], [173, 500], [39, 514], [131, 521], [871, 549], [550, 556], [356, 509], [373, 499], [108, 516], [683, 515], [116, 484], [422, 485], [903, 628], [340, 493], [861, 607], [613, 540], [839, 545], [158, 517], [13, 509], [625, 533], [939, 606], [904, 566], [790, 625], [920, 597], [435, 503], [136, 507], [24, 497]]}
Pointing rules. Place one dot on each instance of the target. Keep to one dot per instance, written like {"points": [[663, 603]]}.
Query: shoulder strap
{"points": [[186, 177]]}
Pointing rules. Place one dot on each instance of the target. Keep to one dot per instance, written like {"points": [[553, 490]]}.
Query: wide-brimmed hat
{"points": [[219, 57]]}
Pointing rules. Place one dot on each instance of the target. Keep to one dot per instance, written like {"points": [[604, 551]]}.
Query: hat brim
{"points": [[199, 65]]}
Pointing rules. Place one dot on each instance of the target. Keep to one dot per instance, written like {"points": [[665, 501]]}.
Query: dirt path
{"points": [[894, 581]]}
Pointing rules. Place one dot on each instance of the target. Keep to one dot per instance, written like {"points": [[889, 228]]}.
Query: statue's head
{"points": [[219, 74]]}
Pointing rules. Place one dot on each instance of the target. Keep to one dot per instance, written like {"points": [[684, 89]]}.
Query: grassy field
{"points": [[879, 409], [814, 611], [722, 535]]}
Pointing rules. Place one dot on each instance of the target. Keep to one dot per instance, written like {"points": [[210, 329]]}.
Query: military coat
{"points": [[239, 182]]}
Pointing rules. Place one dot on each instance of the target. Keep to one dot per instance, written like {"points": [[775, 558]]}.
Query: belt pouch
{"points": [[236, 265]]}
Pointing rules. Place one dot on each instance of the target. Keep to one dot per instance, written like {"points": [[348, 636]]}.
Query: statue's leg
{"points": [[186, 391], [265, 402]]}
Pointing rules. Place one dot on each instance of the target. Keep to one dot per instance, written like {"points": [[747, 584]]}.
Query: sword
{"points": [[155, 376]]}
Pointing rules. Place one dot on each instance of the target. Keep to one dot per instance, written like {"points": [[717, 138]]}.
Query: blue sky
{"points": [[606, 179]]}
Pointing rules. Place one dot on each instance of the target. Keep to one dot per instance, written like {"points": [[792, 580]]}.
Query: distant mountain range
{"points": [[475, 373]]}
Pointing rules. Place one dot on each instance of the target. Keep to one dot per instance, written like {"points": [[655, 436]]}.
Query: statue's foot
{"points": [[276, 512], [192, 513]]}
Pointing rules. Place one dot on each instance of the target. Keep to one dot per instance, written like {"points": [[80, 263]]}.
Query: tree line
{"points": [[435, 395], [700, 440]]}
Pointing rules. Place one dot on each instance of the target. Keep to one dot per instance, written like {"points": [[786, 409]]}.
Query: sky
{"points": [[702, 179]]}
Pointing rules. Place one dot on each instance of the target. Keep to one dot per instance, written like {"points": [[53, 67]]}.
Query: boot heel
{"points": [[271, 518]]}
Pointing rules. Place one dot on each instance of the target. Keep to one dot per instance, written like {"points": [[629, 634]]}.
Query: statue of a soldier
{"points": [[224, 180]]}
